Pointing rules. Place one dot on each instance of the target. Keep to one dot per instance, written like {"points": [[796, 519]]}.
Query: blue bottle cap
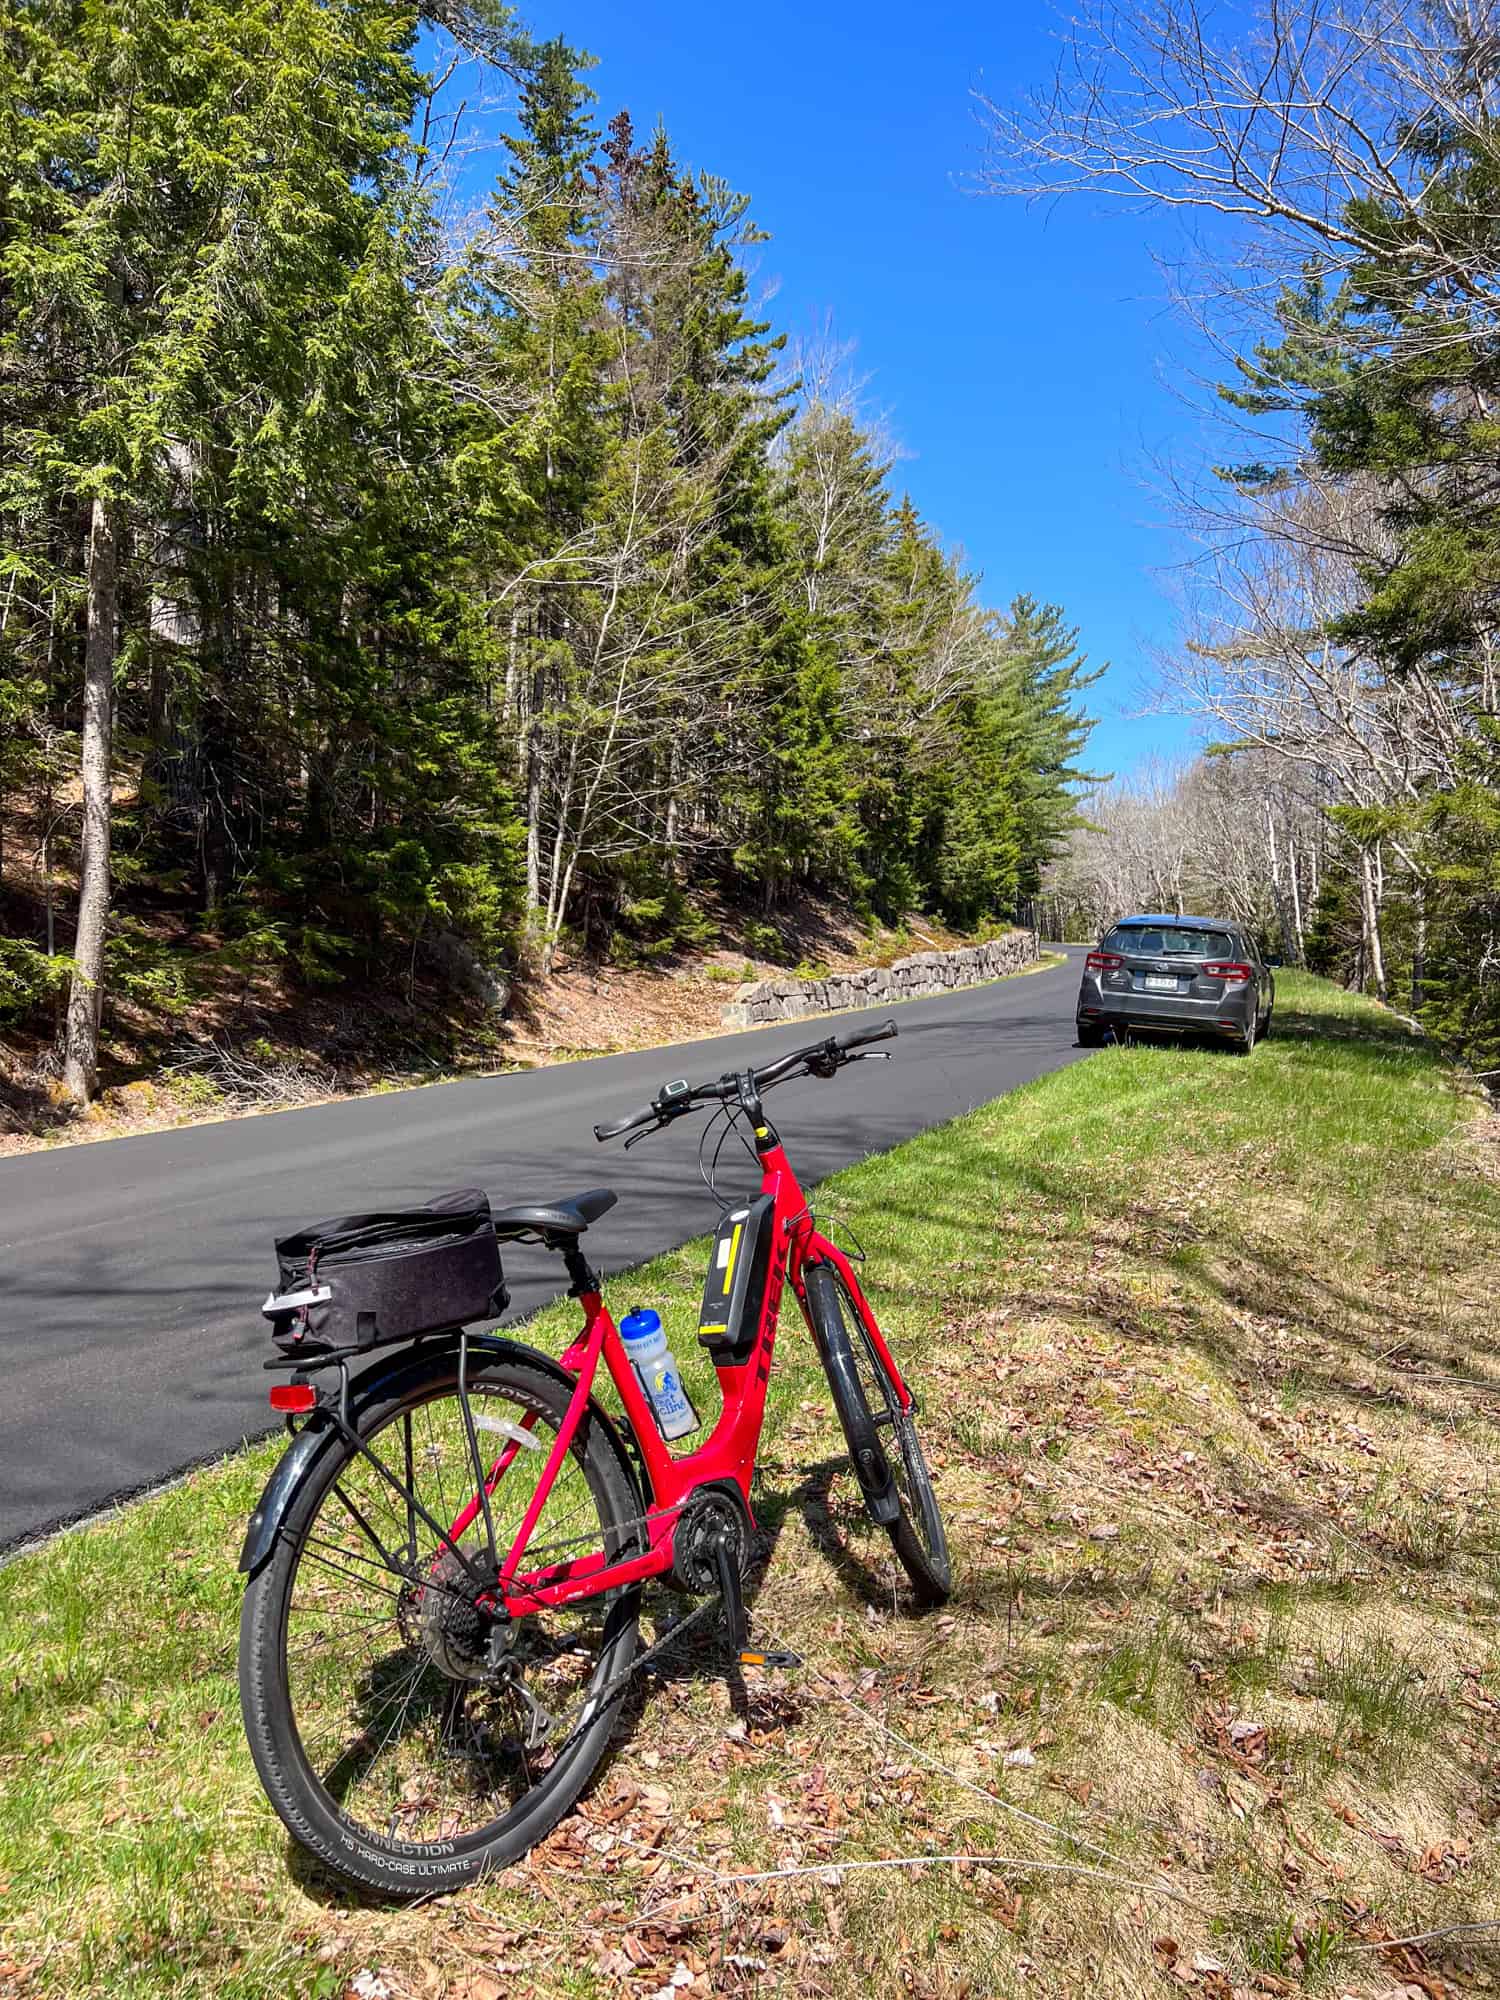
{"points": [[641, 1324]]}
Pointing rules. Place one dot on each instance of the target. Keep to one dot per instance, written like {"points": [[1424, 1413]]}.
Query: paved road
{"points": [[130, 1336]]}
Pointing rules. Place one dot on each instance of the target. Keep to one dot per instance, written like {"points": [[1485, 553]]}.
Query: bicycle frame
{"points": [[729, 1451]]}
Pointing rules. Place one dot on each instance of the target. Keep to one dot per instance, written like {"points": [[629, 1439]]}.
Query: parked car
{"points": [[1181, 974]]}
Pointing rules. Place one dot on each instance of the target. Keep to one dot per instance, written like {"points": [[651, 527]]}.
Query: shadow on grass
{"points": [[705, 1653]]}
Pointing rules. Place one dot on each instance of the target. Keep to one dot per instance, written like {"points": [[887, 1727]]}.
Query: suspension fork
{"points": [[821, 1249]]}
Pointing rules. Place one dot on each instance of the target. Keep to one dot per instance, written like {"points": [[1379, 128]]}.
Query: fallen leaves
{"points": [[480, 1986]]}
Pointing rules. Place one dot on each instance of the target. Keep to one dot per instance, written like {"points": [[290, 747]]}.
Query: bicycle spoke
{"points": [[341, 1570]]}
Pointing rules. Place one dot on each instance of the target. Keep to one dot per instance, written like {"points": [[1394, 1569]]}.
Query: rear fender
{"points": [[393, 1374]]}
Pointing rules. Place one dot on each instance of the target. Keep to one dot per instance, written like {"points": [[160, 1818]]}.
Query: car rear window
{"points": [[1171, 943]]}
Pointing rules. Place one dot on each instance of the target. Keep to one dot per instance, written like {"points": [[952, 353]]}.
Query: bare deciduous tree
{"points": [[1295, 118]]}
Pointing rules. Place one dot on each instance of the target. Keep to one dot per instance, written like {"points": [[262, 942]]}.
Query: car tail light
{"points": [[1103, 961], [290, 1398], [1228, 968]]}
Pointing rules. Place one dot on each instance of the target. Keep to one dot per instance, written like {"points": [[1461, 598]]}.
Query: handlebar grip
{"points": [[886, 1032], [615, 1127]]}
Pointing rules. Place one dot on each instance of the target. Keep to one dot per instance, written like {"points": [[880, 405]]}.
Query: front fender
{"points": [[383, 1377]]}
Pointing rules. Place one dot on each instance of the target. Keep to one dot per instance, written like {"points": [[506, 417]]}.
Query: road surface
{"points": [[130, 1332]]}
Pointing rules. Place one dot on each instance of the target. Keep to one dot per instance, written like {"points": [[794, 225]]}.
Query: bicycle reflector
{"points": [[293, 1398]]}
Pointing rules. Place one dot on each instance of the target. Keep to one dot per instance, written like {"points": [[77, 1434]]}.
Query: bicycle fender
{"points": [[866, 1453], [297, 1461], [384, 1375], [280, 1489]]}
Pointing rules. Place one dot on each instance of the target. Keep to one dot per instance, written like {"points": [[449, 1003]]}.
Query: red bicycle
{"points": [[441, 1618]]}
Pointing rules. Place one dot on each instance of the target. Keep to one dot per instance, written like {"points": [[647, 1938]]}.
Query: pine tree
{"points": [[206, 222]]}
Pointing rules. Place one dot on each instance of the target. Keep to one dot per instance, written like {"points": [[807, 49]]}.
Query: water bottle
{"points": [[657, 1372]]}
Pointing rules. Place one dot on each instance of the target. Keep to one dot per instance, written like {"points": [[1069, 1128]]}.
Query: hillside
{"points": [[198, 1027]]}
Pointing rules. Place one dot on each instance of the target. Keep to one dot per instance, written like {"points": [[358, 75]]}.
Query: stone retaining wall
{"points": [[925, 972]]}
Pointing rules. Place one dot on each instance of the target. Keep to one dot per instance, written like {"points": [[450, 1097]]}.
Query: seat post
{"points": [[585, 1278]]}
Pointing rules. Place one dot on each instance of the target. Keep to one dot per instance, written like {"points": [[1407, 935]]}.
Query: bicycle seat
{"points": [[569, 1217]]}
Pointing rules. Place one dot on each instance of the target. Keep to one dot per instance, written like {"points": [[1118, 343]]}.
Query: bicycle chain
{"points": [[598, 1698]]}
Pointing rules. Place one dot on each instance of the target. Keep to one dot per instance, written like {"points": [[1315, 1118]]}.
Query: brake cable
{"points": [[731, 1113]]}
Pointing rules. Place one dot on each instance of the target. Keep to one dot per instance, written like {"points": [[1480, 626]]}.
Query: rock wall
{"points": [[925, 972]]}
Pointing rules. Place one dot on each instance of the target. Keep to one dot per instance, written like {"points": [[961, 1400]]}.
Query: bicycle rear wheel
{"points": [[405, 1739], [896, 1483]]}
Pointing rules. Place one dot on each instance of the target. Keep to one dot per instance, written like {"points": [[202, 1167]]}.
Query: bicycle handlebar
{"points": [[676, 1098], [613, 1129]]}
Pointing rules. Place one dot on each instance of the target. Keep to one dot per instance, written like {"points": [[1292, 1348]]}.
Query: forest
{"points": [[1340, 652], [389, 572]]}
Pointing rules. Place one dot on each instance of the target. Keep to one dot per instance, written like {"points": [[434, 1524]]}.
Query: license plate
{"points": [[1159, 982]]}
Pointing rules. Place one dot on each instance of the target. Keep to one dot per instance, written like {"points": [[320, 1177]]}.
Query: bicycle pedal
{"points": [[779, 1660]]}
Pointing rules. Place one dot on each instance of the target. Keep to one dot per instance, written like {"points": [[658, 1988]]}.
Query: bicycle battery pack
{"points": [[734, 1292]]}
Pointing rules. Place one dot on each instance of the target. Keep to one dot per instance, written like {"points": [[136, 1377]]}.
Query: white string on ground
{"points": [[956, 1777], [1484, 1924], [731, 1879]]}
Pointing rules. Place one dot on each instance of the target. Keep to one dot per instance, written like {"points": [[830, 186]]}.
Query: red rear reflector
{"points": [[1104, 961], [1224, 968], [291, 1398]]}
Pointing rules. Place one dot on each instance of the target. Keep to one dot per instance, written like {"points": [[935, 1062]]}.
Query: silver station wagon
{"points": [[1184, 975]]}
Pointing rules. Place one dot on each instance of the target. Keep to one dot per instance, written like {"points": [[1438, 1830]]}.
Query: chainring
{"points": [[710, 1515]]}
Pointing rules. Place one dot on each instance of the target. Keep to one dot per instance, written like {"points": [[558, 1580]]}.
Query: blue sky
{"points": [[1025, 360]]}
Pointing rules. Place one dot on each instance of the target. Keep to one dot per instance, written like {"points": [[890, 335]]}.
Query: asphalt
{"points": [[132, 1270]]}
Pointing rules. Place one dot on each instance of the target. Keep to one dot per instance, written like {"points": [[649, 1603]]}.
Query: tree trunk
{"points": [[1374, 955], [46, 859], [512, 664], [1291, 858], [534, 775], [86, 995], [1419, 948], [673, 770]]}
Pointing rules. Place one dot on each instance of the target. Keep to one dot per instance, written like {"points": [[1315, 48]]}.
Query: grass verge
{"points": [[1210, 1392]]}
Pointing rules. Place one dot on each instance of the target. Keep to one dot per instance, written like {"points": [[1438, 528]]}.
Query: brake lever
{"points": [[869, 1055], [664, 1118]]}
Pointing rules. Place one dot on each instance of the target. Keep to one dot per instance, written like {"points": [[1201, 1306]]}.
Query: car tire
{"points": [[1246, 1046], [1090, 1038]]}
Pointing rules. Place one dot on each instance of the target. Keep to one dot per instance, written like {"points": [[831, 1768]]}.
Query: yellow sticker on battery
{"points": [[734, 1251]]}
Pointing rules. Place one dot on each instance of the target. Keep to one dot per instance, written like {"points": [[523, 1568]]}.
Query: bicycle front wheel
{"points": [[893, 1476], [408, 1739]]}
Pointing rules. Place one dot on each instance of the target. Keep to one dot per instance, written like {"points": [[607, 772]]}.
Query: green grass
{"points": [[1198, 1340]]}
